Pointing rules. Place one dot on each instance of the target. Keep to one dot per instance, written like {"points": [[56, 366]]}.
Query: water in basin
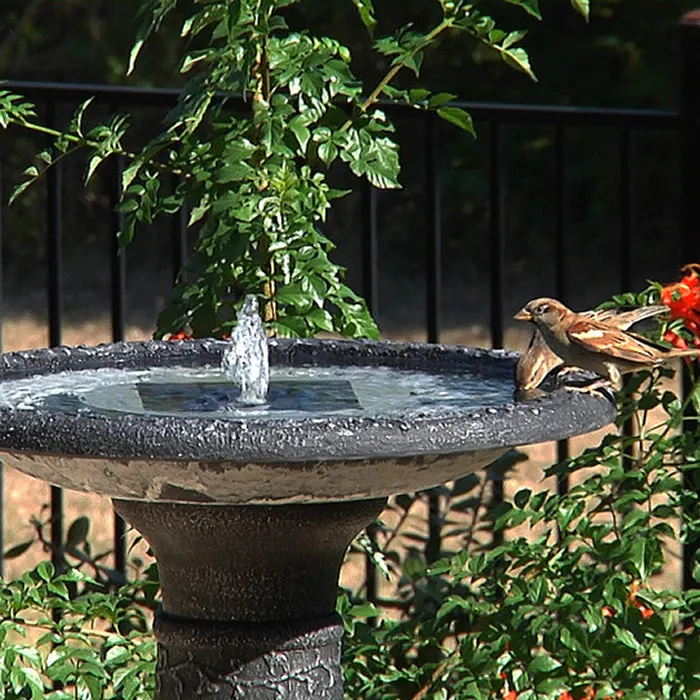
{"points": [[294, 392], [245, 387]]}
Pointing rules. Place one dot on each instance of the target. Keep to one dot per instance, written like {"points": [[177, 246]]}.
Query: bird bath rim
{"points": [[181, 438]]}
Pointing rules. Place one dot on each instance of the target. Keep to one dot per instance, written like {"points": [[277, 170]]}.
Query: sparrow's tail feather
{"points": [[685, 352], [626, 319]]}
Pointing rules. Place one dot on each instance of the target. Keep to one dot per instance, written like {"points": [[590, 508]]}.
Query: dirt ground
{"points": [[25, 496]]}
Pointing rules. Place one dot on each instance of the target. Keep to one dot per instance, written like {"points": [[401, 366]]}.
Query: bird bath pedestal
{"points": [[249, 514]]}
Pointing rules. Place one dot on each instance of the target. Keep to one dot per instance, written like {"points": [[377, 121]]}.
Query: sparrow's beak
{"points": [[523, 315]]}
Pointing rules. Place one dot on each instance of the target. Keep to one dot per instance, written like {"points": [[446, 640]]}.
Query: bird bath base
{"points": [[249, 596]]}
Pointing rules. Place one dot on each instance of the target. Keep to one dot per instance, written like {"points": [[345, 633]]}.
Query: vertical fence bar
{"points": [[626, 208], [496, 271], [118, 309], [178, 237], [496, 233], [117, 260], [369, 264], [690, 222], [54, 226], [433, 232], [369, 267], [626, 197], [561, 287], [2, 466]]}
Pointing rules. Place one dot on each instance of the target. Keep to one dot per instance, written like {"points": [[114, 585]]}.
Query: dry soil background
{"points": [[25, 496]]}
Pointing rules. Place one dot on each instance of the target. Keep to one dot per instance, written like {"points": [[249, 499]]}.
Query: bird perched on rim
{"points": [[538, 360], [594, 345]]}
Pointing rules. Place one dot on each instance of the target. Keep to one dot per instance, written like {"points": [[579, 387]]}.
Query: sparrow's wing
{"points": [[626, 319], [617, 344], [535, 363]]}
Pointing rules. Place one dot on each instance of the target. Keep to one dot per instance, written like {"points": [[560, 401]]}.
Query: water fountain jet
{"points": [[246, 360]]}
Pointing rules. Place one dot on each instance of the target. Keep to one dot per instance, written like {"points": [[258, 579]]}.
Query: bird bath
{"points": [[249, 509]]}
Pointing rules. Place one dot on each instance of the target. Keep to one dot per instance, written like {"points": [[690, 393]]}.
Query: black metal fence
{"points": [[627, 123]]}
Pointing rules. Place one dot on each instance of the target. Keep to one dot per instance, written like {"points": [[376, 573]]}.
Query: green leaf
{"points": [[512, 38], [375, 158], [134, 54], [327, 152], [458, 117], [233, 172], [128, 205], [58, 588], [76, 123], [366, 12], [157, 9], [695, 399], [530, 6], [626, 637], [412, 61], [542, 664], [130, 172], [583, 6], [519, 59], [35, 683], [93, 164], [364, 610], [643, 555], [321, 319], [45, 570], [301, 131], [388, 46], [440, 99]]}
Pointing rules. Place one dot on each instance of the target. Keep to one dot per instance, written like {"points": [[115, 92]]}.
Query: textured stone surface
{"points": [[189, 459], [249, 563], [231, 482], [268, 661], [249, 596]]}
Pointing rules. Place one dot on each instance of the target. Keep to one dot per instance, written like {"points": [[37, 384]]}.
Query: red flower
{"points": [[510, 695], [675, 340], [566, 695], [683, 299], [180, 335], [644, 611]]}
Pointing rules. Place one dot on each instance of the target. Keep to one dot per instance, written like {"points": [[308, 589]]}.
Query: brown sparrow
{"points": [[594, 345], [538, 360]]}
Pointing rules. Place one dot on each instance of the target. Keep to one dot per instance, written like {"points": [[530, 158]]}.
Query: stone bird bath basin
{"points": [[249, 510]]}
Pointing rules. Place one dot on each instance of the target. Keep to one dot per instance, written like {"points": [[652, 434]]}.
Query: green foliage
{"points": [[255, 181], [563, 600], [63, 638], [76, 552], [571, 608]]}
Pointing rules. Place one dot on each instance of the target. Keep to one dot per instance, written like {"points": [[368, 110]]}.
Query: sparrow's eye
{"points": [[542, 309]]}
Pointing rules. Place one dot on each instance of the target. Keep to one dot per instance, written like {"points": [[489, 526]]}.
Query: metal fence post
{"points": [[690, 221], [370, 292], [54, 229]]}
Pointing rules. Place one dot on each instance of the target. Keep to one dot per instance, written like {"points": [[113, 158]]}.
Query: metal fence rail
{"points": [[560, 120]]}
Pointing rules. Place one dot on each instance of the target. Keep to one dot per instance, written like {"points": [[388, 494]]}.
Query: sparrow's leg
{"points": [[612, 381], [594, 386], [614, 376]]}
